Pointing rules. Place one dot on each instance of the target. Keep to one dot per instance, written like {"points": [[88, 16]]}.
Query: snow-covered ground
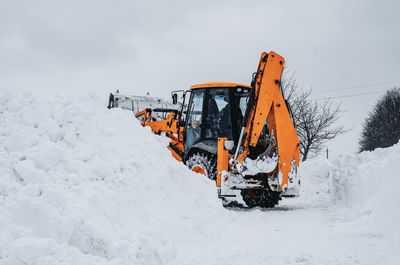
{"points": [[81, 184]]}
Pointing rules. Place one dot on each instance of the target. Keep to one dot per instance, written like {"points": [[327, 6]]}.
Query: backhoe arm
{"points": [[266, 104]]}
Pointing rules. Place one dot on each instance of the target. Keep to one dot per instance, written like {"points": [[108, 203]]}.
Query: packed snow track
{"points": [[81, 184]]}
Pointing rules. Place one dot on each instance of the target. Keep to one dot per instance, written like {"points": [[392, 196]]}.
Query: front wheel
{"points": [[203, 163]]}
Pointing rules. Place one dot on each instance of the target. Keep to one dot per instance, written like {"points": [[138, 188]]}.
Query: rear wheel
{"points": [[260, 197], [203, 163]]}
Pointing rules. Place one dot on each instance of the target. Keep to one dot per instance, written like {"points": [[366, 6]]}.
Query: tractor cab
{"points": [[213, 110]]}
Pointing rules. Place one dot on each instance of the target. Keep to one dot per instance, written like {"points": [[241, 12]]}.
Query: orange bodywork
{"points": [[167, 125], [222, 160], [218, 84], [176, 148], [270, 106], [146, 116]]}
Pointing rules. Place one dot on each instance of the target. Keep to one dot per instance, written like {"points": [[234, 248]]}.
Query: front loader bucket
{"points": [[137, 104]]}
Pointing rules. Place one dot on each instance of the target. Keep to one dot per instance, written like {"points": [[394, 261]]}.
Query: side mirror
{"points": [[174, 98]]}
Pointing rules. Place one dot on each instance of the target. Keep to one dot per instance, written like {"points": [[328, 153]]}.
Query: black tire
{"points": [[204, 161], [261, 197]]}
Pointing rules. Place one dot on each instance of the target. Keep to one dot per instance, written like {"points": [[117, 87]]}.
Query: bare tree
{"points": [[382, 126], [315, 122]]}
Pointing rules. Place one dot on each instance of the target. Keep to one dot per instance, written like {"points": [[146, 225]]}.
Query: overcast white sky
{"points": [[73, 46]]}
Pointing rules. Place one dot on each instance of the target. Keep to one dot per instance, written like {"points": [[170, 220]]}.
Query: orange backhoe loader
{"points": [[238, 135]]}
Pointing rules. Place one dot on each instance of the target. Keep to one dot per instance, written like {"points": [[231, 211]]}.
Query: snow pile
{"points": [[81, 184], [75, 187], [315, 177], [368, 183], [362, 188]]}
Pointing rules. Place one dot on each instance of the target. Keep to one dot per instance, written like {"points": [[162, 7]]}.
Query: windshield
{"points": [[219, 114]]}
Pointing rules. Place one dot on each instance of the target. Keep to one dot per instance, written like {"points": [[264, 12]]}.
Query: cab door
{"points": [[194, 119]]}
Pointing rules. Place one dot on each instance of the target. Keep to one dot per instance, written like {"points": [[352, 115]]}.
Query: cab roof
{"points": [[217, 85]]}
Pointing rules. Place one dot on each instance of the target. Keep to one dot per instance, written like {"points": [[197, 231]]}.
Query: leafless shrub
{"points": [[315, 121]]}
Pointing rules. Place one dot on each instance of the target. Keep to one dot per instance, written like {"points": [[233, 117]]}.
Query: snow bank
{"points": [[368, 183], [84, 184], [363, 188], [81, 184]]}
